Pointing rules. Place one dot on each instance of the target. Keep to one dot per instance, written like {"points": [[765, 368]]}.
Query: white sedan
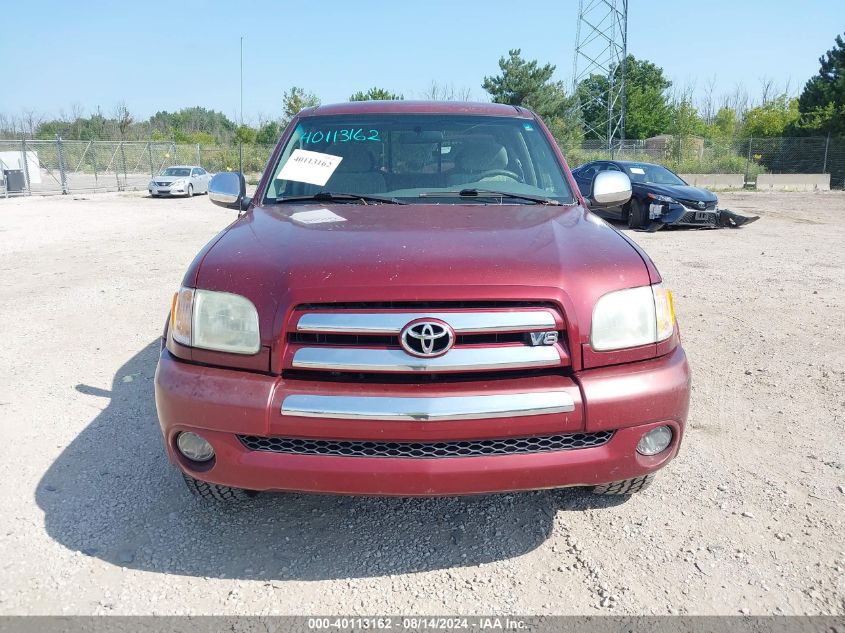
{"points": [[180, 180]]}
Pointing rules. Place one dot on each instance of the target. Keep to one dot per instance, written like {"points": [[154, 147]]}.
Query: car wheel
{"points": [[636, 215], [216, 492], [626, 212], [190, 191], [625, 487]]}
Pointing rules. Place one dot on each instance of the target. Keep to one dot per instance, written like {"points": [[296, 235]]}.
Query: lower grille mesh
{"points": [[689, 218], [460, 448]]}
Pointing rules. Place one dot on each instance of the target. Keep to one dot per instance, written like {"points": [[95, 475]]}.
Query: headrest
{"points": [[481, 156]]}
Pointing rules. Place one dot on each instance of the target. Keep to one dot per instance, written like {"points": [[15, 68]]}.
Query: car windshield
{"points": [[176, 171], [419, 159], [644, 172]]}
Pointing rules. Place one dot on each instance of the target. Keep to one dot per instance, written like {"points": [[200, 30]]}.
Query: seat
{"points": [[476, 158], [356, 172]]}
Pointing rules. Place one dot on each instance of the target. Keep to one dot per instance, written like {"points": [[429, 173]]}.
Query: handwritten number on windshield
{"points": [[345, 135]]}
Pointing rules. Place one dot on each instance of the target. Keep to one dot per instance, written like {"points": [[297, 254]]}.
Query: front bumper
{"points": [[222, 404], [676, 214], [167, 191]]}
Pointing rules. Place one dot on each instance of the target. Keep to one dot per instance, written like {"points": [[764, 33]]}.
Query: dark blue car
{"points": [[659, 196]]}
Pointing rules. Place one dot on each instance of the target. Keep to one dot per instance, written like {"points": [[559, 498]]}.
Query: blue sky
{"points": [[167, 55]]}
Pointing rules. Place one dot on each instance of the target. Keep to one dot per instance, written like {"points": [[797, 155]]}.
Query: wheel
{"points": [[216, 492], [625, 487], [625, 214], [190, 191], [636, 215]]}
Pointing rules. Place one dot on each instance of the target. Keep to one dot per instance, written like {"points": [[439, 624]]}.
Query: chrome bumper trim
{"points": [[393, 322], [456, 359], [427, 409]]}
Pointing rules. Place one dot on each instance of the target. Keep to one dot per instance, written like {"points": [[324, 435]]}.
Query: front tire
{"points": [[190, 191], [625, 487], [216, 492], [636, 215]]}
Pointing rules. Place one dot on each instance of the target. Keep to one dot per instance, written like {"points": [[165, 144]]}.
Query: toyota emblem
{"points": [[427, 338]]}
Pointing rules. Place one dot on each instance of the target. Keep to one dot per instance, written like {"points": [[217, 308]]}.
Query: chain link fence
{"points": [[747, 156], [31, 167]]}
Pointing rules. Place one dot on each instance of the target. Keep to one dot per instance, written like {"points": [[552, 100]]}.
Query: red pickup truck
{"points": [[417, 300]]}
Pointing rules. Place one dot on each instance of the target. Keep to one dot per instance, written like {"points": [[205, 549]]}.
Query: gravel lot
{"points": [[748, 519]]}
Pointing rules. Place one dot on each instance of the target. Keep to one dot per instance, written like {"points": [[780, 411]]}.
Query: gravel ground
{"points": [[748, 519]]}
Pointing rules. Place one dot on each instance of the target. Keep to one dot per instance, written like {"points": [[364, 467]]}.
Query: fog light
{"points": [[655, 441], [194, 447]]}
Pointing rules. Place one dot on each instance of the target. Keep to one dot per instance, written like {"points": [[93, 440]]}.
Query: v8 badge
{"points": [[543, 338]]}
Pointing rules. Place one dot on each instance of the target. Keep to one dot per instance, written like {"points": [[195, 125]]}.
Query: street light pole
{"points": [[240, 143], [242, 80]]}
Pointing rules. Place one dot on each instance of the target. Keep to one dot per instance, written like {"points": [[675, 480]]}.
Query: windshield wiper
{"points": [[332, 196], [490, 193]]}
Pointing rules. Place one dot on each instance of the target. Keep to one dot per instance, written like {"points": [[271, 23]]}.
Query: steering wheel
{"points": [[498, 172]]}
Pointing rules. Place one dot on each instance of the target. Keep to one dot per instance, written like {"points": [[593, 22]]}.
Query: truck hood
{"points": [[284, 255]]}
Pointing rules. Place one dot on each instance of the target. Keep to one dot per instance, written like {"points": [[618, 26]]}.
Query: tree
{"points": [[376, 94], [446, 92], [297, 99], [526, 83], [772, 118], [181, 125], [822, 102], [724, 124], [268, 133], [30, 120], [708, 102], [123, 119], [50, 129], [685, 120], [647, 108], [245, 134], [95, 128], [685, 128]]}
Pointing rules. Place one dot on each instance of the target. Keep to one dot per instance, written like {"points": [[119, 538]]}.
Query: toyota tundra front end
{"points": [[417, 300]]}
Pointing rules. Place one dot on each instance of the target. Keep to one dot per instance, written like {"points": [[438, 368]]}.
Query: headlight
{"points": [[632, 317], [177, 183], [218, 321], [658, 198]]}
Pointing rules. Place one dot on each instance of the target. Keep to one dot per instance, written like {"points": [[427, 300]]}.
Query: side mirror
{"points": [[610, 189], [228, 189]]}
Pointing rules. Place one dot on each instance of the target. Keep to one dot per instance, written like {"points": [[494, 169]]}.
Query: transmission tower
{"points": [[601, 46]]}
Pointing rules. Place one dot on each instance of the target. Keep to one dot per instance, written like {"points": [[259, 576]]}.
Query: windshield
{"points": [[419, 159], [645, 172], [176, 171]]}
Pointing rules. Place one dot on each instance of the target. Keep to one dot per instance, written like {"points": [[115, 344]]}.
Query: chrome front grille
{"points": [[353, 322], [359, 340], [426, 450], [493, 336], [396, 360]]}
